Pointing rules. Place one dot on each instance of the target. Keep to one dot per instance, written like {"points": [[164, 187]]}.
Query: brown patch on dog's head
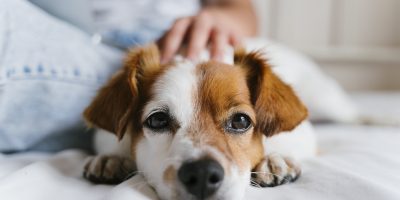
{"points": [[248, 87], [115, 104], [277, 107], [222, 93]]}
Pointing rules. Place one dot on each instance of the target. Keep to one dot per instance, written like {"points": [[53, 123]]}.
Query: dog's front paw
{"points": [[275, 170], [108, 169]]}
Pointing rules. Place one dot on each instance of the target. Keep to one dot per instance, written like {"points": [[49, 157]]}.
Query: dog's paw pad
{"points": [[108, 169], [275, 170]]}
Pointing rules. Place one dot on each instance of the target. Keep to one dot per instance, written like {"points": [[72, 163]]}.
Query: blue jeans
{"points": [[49, 72]]}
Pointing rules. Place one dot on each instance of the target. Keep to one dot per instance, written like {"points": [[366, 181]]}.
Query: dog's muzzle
{"points": [[201, 178]]}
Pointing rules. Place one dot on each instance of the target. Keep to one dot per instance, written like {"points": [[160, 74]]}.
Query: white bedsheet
{"points": [[355, 162]]}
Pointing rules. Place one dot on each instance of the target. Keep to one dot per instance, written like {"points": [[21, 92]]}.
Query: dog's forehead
{"points": [[185, 85], [222, 86], [175, 90]]}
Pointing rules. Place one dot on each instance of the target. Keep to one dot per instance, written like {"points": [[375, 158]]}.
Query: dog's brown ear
{"points": [[112, 108], [276, 105]]}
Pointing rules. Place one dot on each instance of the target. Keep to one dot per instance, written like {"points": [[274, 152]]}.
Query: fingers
{"points": [[198, 32], [235, 40], [199, 35], [174, 38], [219, 41]]}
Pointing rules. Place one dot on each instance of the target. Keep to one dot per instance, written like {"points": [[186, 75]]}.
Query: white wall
{"points": [[356, 41]]}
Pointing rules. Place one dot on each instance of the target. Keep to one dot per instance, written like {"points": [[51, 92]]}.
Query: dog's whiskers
{"points": [[139, 185], [172, 159], [133, 174]]}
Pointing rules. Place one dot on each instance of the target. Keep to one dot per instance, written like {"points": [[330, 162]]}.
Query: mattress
{"points": [[354, 162]]}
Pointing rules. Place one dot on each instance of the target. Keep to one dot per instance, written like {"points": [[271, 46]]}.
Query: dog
{"points": [[198, 130]]}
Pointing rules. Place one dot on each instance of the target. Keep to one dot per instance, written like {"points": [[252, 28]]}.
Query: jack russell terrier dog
{"points": [[199, 130]]}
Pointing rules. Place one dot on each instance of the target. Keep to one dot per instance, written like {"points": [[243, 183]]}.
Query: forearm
{"points": [[242, 16]]}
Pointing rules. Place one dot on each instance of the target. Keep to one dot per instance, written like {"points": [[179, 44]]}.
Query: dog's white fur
{"points": [[156, 152]]}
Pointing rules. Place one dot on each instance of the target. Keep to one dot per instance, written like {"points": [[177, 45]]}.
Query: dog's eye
{"points": [[238, 123], [158, 121]]}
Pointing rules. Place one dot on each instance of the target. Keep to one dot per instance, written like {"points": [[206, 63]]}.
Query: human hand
{"points": [[212, 26]]}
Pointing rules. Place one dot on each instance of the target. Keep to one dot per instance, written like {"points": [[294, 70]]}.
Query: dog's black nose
{"points": [[201, 178]]}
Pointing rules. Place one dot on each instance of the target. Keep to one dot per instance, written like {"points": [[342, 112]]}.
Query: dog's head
{"points": [[196, 129]]}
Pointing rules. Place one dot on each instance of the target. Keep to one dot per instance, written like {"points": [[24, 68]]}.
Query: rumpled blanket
{"points": [[354, 162]]}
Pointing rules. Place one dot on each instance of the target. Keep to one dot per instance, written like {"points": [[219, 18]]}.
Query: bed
{"points": [[354, 162]]}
